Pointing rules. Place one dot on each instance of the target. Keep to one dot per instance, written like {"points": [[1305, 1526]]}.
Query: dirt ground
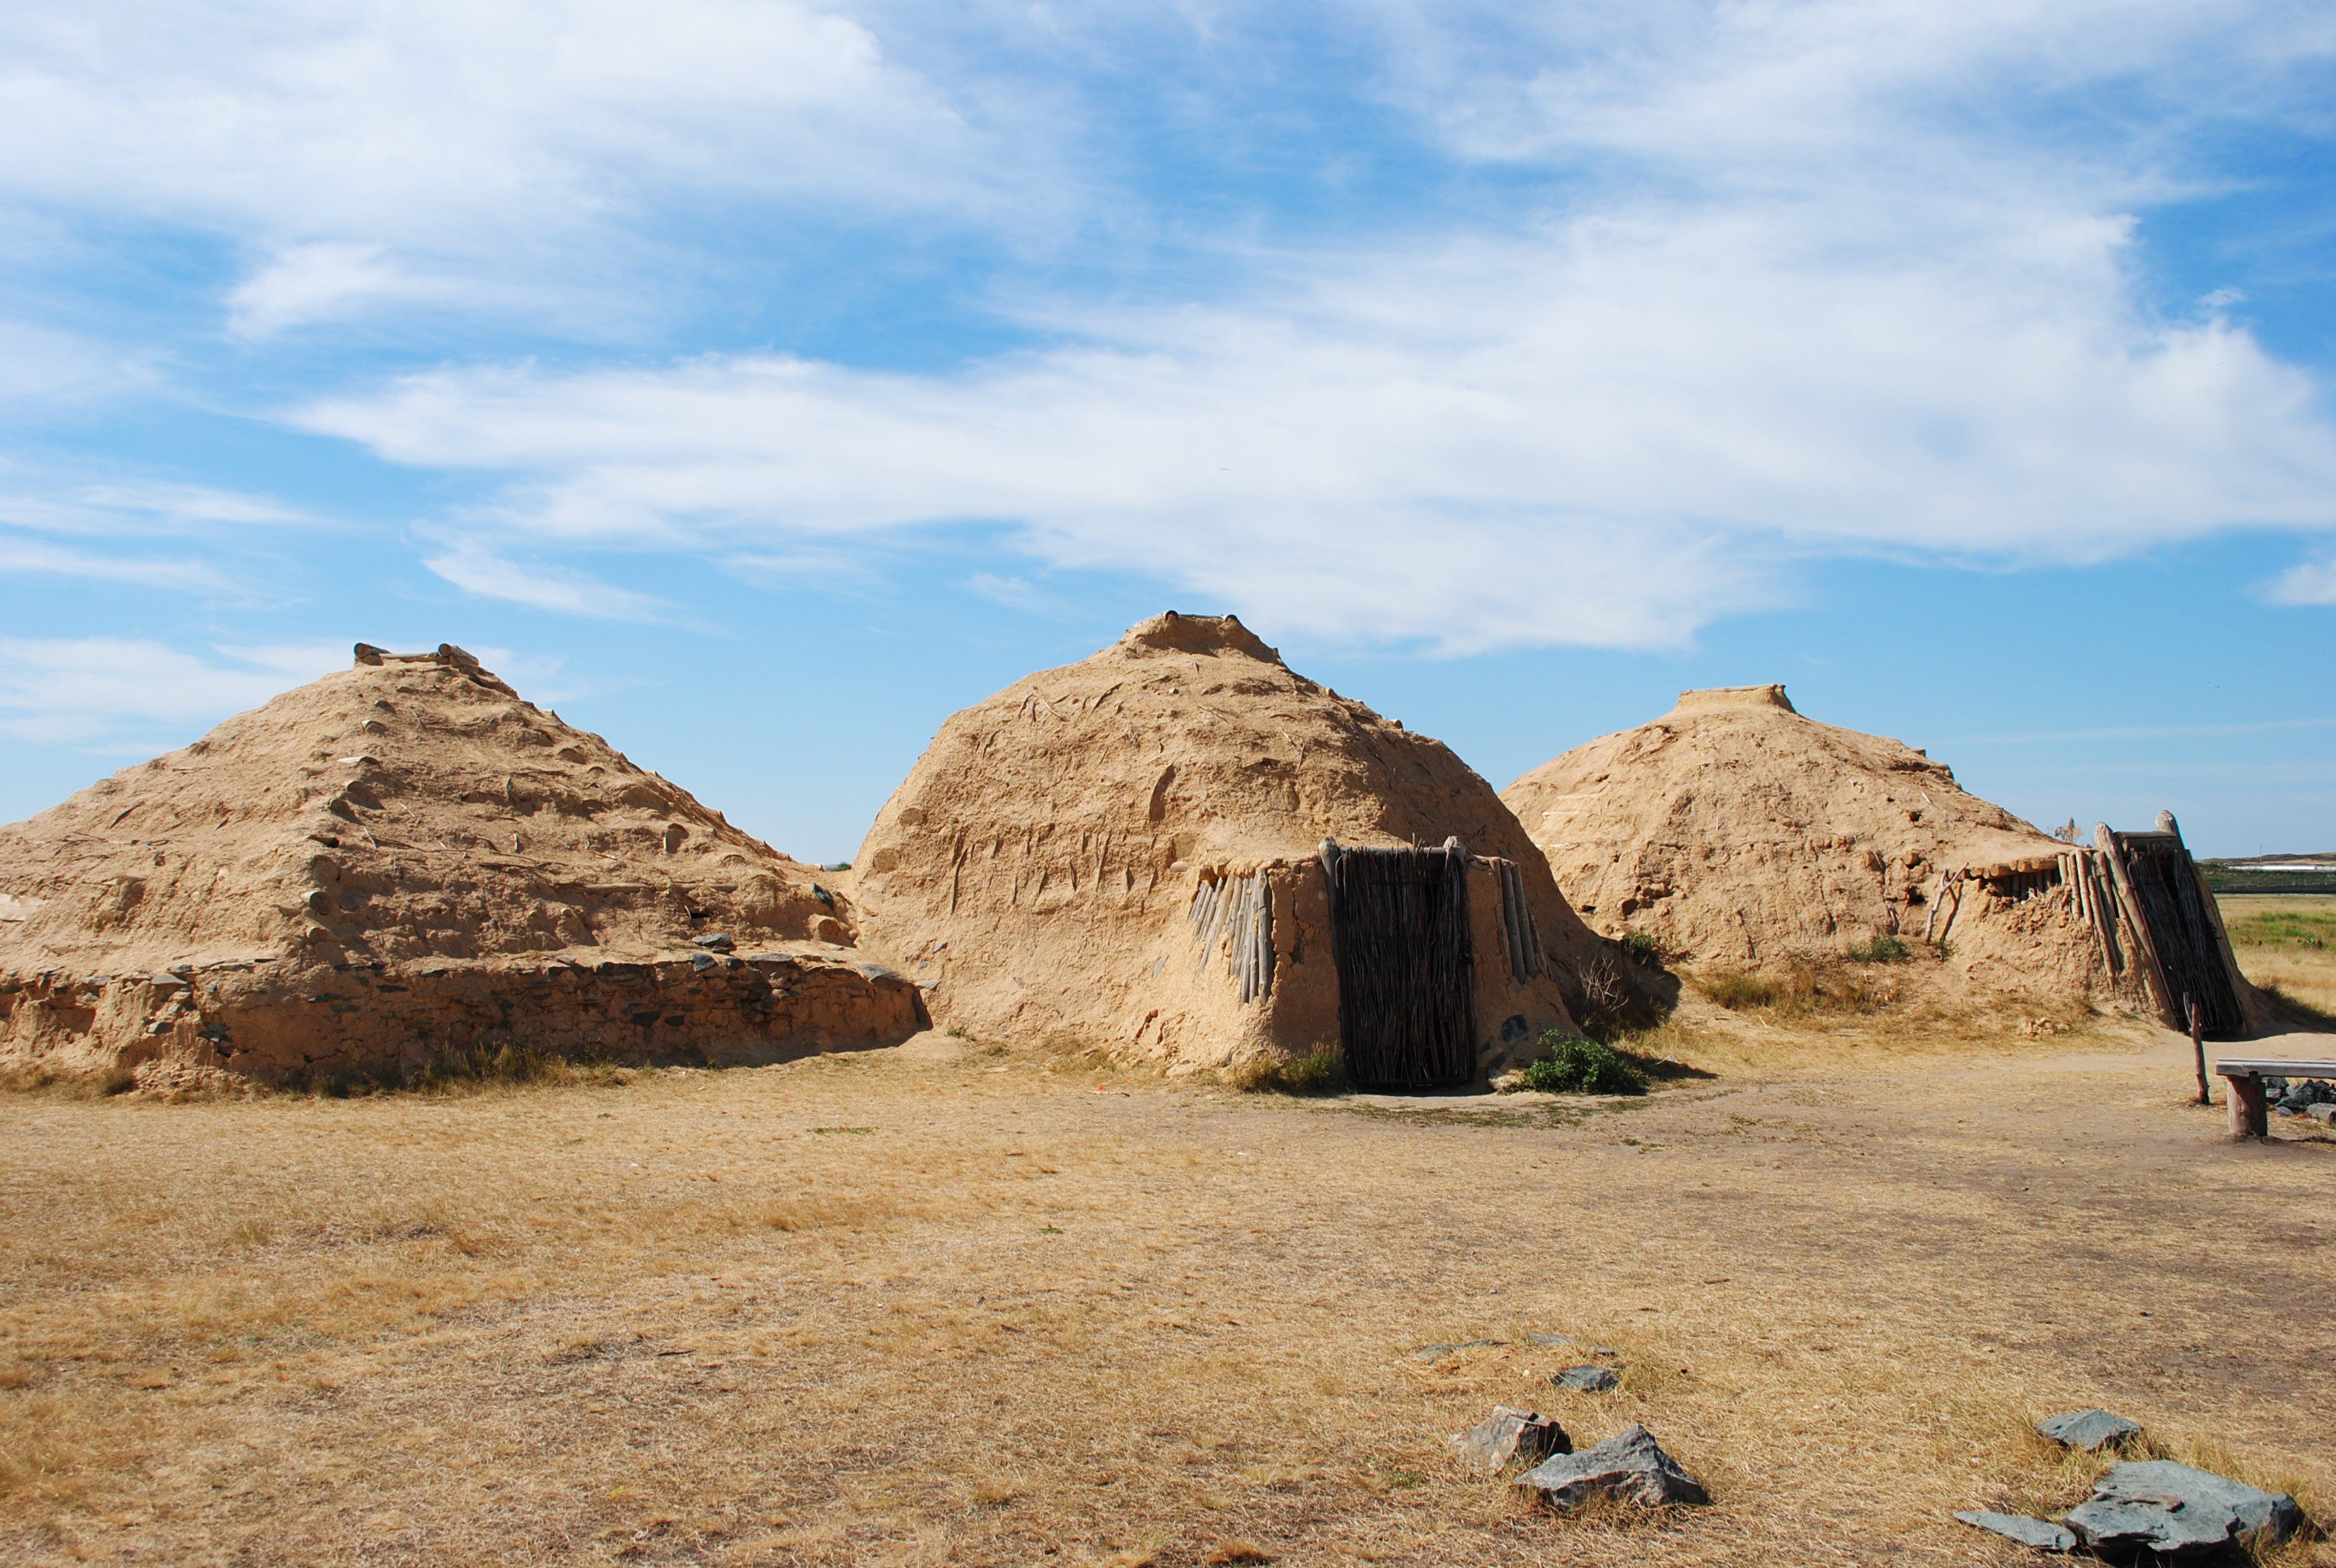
{"points": [[941, 1305]]}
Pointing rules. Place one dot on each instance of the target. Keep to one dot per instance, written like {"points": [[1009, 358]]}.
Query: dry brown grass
{"points": [[704, 1317]]}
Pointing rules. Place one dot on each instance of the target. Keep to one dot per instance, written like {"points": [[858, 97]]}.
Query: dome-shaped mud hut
{"points": [[1735, 830], [405, 865], [1180, 850]]}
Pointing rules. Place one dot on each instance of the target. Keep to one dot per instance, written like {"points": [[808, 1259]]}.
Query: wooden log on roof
{"points": [[2240, 990], [1235, 934], [2027, 866], [2153, 971], [1245, 944], [2105, 916], [1265, 936], [1512, 912]]}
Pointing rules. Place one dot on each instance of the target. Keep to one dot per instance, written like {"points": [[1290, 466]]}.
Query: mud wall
{"points": [[280, 1024]]}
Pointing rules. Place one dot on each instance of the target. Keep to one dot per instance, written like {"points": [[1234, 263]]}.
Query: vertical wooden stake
{"points": [[2197, 1048]]}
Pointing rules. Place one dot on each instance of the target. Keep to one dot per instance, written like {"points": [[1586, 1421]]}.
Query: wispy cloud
{"points": [[1017, 593], [304, 283], [1583, 440], [476, 569], [27, 555], [372, 155], [64, 503], [94, 691], [40, 364], [1706, 289], [1817, 279]]}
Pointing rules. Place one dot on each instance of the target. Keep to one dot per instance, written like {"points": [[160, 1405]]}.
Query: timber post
{"points": [[2197, 1047], [2250, 1108], [2152, 968]]}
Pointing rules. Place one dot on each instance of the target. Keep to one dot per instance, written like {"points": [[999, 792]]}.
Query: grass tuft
{"points": [[1880, 950], [1315, 1073], [1807, 988]]}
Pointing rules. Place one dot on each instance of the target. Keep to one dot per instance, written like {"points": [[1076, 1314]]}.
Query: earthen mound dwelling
{"points": [[1735, 830], [1138, 854], [404, 864]]}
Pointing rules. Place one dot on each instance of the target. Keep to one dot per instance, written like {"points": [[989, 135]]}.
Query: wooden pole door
{"points": [[1406, 973]]}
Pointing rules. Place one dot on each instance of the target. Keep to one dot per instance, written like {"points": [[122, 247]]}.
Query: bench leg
{"points": [[2250, 1110]]}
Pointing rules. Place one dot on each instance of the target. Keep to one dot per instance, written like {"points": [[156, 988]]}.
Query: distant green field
{"points": [[2280, 927], [2231, 879]]}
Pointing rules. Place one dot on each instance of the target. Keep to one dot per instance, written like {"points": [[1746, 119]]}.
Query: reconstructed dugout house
{"points": [[1733, 829], [1180, 850], [404, 864]]}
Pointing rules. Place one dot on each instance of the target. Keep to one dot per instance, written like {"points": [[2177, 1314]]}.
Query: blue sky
{"points": [[757, 383]]}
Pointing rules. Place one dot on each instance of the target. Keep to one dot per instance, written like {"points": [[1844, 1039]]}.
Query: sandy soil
{"points": [[941, 1305]]}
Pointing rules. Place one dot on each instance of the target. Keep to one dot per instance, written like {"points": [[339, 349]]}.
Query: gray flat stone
{"points": [[1507, 1436], [1587, 1379], [1630, 1465], [2041, 1534], [2174, 1511], [2091, 1430]]}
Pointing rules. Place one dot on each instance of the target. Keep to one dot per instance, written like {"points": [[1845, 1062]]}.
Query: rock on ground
{"points": [[1630, 1465], [2174, 1511], [2091, 1430], [2041, 1534], [1587, 1379], [1508, 1436]]}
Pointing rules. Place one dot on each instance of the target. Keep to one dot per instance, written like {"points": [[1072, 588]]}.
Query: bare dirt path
{"points": [[932, 1306]]}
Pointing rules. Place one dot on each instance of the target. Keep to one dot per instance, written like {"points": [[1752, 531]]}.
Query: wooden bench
{"points": [[2250, 1107]]}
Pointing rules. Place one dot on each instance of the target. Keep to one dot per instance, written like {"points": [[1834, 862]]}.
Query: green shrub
{"points": [[1880, 950], [1582, 1067], [1642, 947]]}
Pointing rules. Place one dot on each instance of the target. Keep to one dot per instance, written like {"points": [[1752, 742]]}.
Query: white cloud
{"points": [[475, 568], [1818, 276], [86, 690], [366, 152], [304, 283], [1608, 434], [2306, 582]]}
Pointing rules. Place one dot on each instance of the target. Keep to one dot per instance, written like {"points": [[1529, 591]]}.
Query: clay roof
{"points": [[406, 807]]}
